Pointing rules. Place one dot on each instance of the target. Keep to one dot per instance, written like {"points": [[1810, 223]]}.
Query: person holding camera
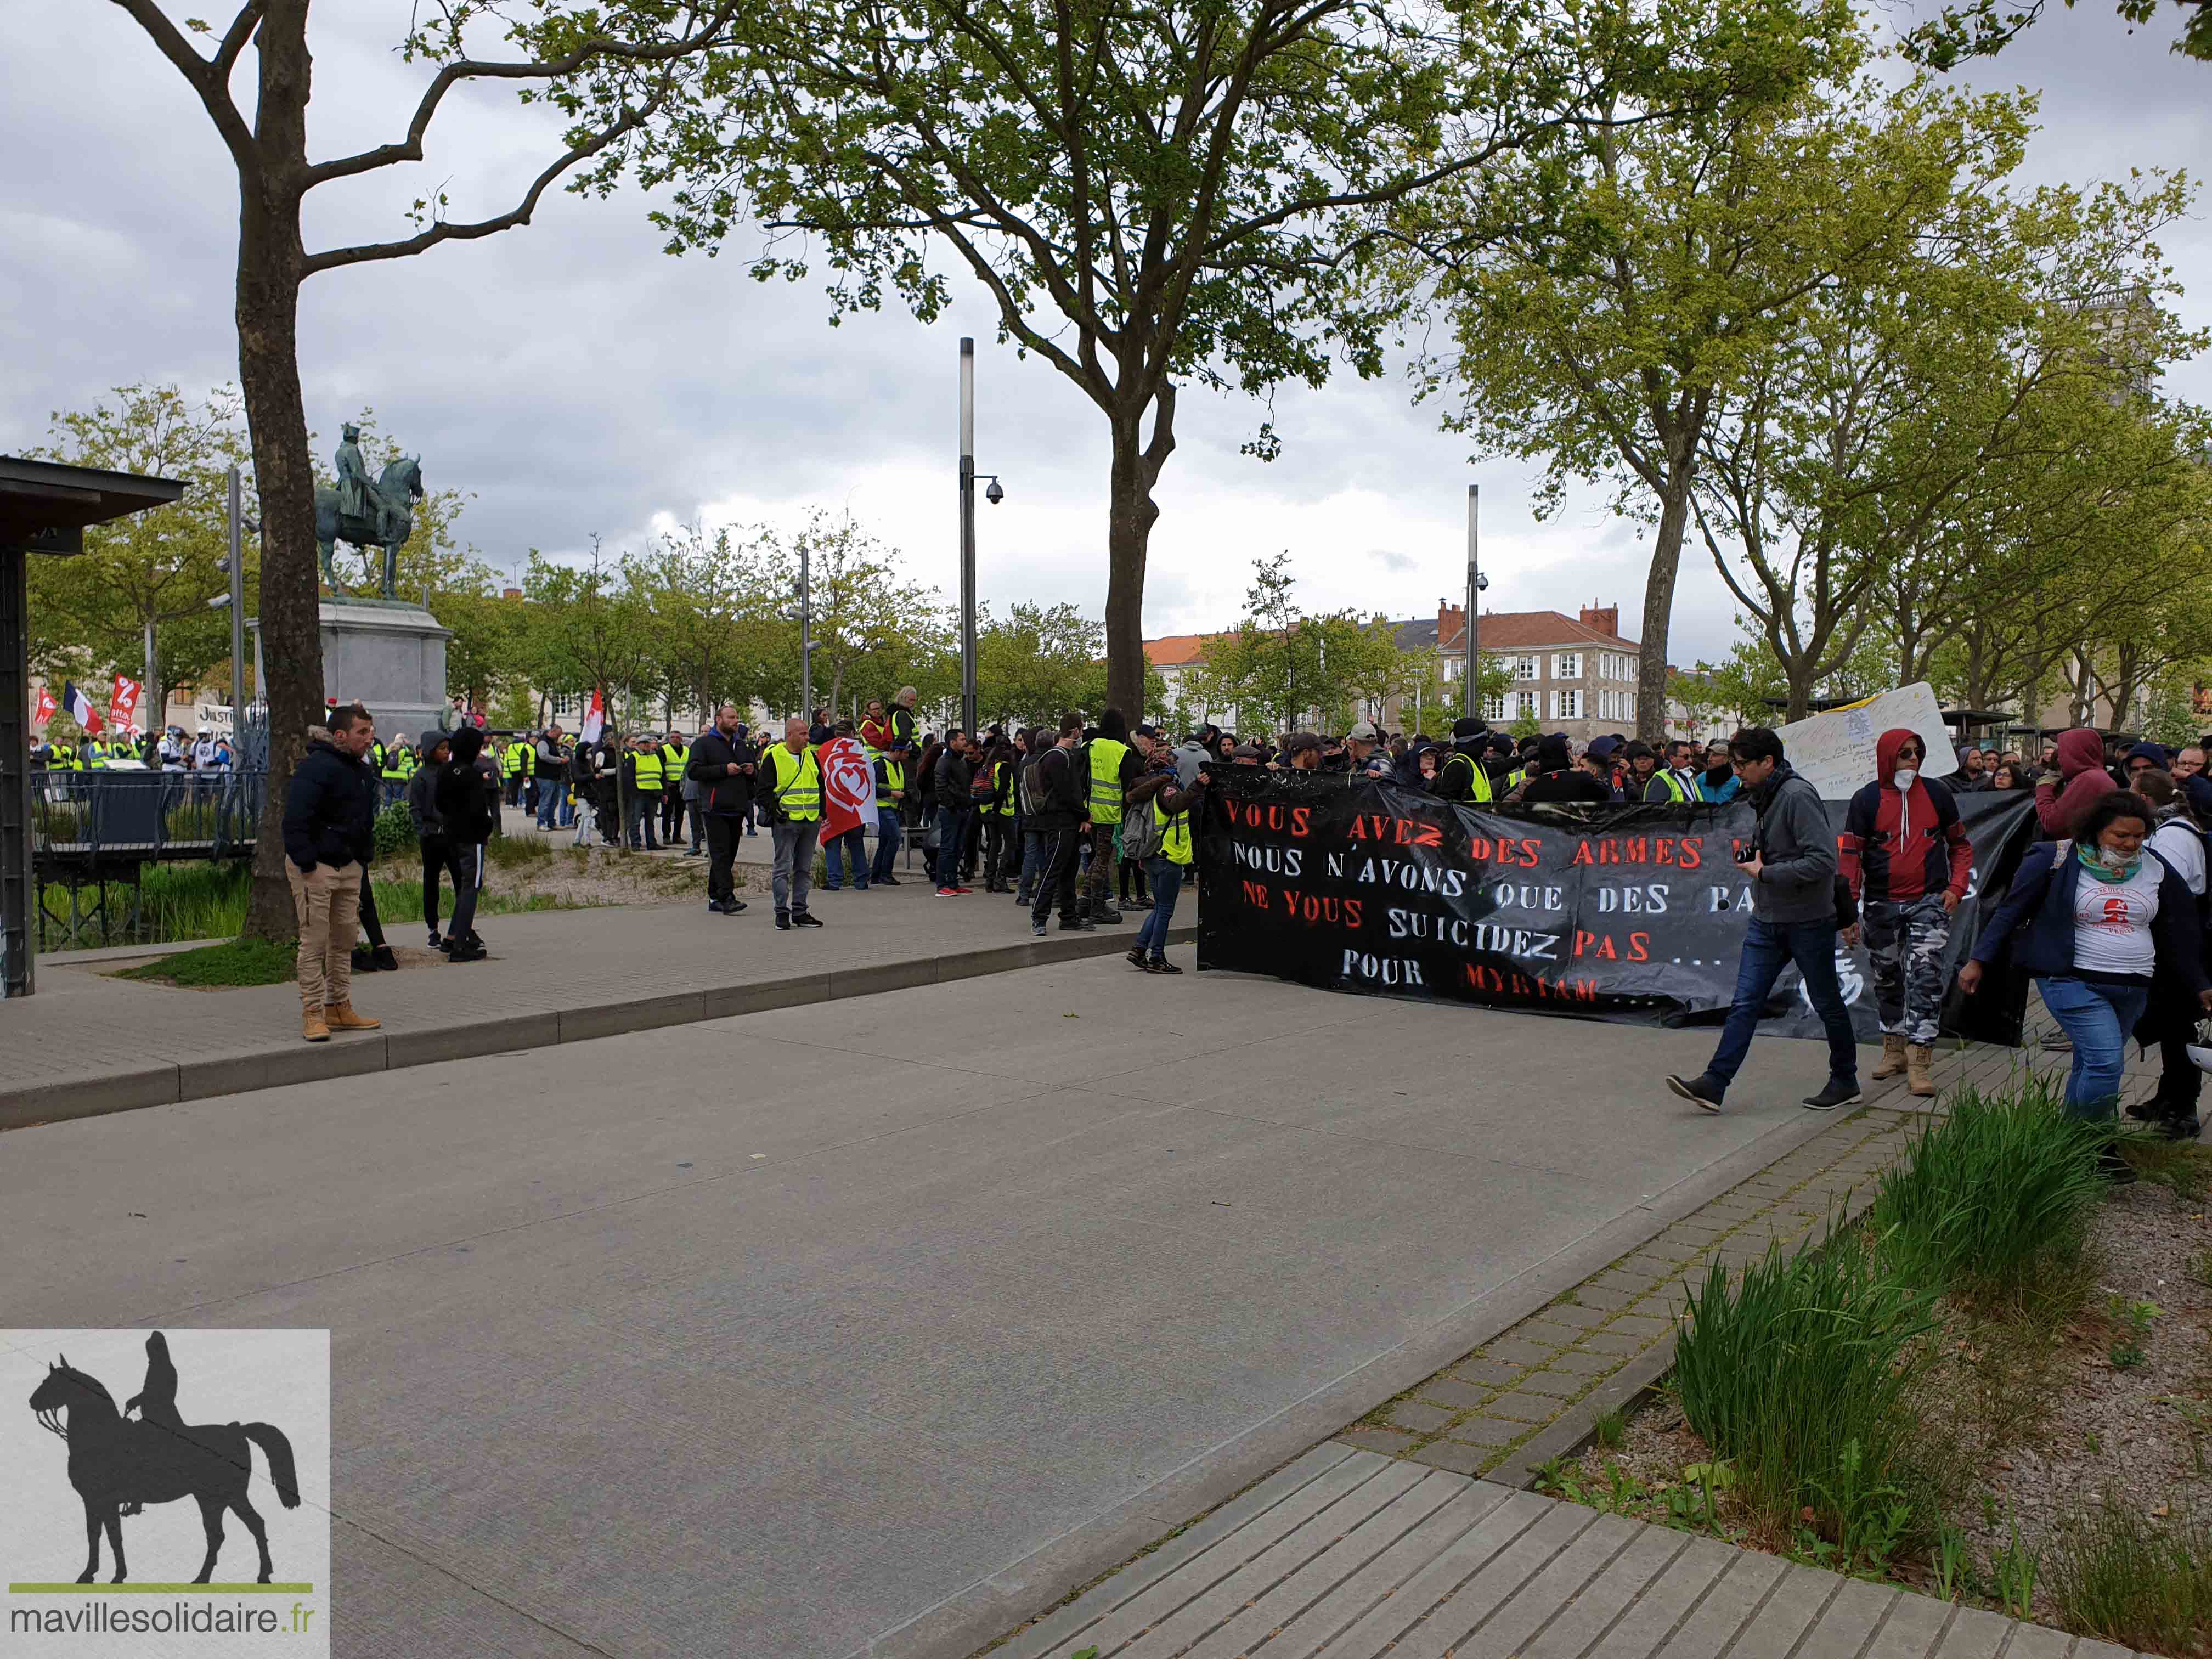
{"points": [[1791, 867]]}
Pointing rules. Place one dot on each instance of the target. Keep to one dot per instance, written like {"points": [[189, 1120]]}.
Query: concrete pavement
{"points": [[867, 1328], [90, 1043]]}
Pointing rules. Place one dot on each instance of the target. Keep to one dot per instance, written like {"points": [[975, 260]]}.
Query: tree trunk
{"points": [[270, 259], [1131, 515], [1659, 609]]}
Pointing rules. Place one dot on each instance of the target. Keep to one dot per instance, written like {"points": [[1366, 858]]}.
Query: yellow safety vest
{"points": [[65, 759], [1001, 804], [798, 792], [399, 763], [894, 777], [1106, 779], [1674, 790], [517, 758], [672, 766], [1479, 789], [648, 771], [1174, 834], [95, 755]]}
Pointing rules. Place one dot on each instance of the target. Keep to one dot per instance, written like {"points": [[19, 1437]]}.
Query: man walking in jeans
{"points": [[790, 794], [1791, 868], [330, 810]]}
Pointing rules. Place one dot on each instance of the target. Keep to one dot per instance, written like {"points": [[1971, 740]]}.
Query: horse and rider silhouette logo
{"points": [[119, 1463]]}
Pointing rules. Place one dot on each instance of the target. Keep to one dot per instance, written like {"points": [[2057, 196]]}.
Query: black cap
{"points": [[1468, 726]]}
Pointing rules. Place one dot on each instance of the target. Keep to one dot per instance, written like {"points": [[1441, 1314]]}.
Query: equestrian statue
{"points": [[371, 513]]}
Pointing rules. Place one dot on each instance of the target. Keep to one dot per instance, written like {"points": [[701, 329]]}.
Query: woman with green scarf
{"points": [[2095, 919]]}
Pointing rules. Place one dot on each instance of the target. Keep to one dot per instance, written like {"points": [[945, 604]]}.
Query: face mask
{"points": [[2112, 858], [1904, 776]]}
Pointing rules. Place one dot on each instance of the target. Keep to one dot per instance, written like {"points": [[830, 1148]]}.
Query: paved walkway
{"points": [[1356, 1555], [88, 1042], [873, 1327]]}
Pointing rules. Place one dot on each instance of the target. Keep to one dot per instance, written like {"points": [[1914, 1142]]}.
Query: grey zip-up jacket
{"points": [[1796, 851]]}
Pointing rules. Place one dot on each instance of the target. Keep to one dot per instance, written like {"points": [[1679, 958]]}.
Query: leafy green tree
{"points": [[874, 630], [1036, 664], [135, 601], [1624, 278], [609, 68], [1982, 28], [715, 622], [1194, 192], [590, 629]]}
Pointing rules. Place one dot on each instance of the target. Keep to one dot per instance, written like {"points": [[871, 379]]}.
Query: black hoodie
{"points": [[461, 795], [1557, 777]]}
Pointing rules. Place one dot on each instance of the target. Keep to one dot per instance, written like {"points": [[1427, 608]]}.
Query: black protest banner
{"points": [[1629, 913]]}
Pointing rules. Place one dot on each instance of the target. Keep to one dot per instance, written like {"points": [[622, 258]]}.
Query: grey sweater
{"points": [[1796, 851]]}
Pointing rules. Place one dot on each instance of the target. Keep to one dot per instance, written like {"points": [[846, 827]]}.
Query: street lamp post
{"points": [[1475, 583], [994, 495]]}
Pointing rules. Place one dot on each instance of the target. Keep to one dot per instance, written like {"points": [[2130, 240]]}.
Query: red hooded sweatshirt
{"points": [[2061, 806], [1902, 845]]}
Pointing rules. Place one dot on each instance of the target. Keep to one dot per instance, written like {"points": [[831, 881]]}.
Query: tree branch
{"points": [[446, 231], [200, 73], [409, 148]]}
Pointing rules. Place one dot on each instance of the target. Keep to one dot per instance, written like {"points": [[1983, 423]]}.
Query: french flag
{"points": [[81, 710]]}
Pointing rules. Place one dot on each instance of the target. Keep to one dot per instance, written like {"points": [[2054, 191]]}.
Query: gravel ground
{"points": [[2139, 1432]]}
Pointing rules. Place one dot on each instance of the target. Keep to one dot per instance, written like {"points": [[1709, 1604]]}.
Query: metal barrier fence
{"points": [[101, 818]]}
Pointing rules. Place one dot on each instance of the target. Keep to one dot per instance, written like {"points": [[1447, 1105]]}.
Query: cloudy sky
{"points": [[576, 380]]}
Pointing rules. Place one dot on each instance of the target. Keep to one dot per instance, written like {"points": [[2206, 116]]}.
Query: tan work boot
{"points": [[1892, 1058], [340, 1016], [312, 1026], [1917, 1080]]}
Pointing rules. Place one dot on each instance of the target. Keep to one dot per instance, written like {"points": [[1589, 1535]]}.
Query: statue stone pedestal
{"points": [[388, 655]]}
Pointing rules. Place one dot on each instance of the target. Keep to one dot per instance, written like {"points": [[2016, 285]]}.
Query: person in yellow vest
{"points": [[515, 767], [1463, 778], [995, 813], [1158, 827], [790, 797], [891, 802], [642, 770], [1113, 766], [94, 754], [672, 791]]}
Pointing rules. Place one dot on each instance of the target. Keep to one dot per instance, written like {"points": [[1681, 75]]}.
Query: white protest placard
{"points": [[215, 716], [1835, 750]]}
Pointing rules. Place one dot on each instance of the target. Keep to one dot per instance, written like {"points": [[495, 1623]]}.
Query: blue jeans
{"points": [[550, 794], [954, 827], [644, 810], [835, 851], [1166, 877], [1034, 860], [2098, 1018], [887, 841], [1768, 948]]}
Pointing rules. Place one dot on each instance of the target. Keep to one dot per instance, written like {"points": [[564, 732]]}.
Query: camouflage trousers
{"points": [[1905, 942]]}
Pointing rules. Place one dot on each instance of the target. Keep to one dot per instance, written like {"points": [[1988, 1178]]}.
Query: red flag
{"points": [[122, 700], [595, 718], [848, 786], [45, 711]]}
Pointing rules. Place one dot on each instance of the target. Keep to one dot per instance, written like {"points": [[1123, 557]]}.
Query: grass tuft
{"points": [[1611, 1428], [1800, 1377], [234, 961], [2113, 1572], [1993, 1200], [2185, 1166], [513, 852]]}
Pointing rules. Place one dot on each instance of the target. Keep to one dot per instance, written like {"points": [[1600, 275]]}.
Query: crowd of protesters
{"points": [[2110, 913]]}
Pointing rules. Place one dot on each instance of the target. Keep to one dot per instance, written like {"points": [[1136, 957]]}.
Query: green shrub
{"points": [[2112, 1572], [1800, 1376], [394, 830], [1993, 1201]]}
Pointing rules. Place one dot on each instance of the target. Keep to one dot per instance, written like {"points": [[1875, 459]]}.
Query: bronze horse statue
{"points": [[395, 493]]}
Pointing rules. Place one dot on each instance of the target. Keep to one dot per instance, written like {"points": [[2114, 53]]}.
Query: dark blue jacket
{"points": [[2042, 898], [330, 809]]}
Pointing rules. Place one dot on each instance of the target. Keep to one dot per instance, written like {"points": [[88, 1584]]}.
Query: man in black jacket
{"points": [[467, 800], [330, 813], [1058, 811], [723, 765]]}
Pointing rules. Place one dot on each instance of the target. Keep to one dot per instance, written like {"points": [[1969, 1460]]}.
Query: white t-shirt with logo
{"points": [[2112, 922]]}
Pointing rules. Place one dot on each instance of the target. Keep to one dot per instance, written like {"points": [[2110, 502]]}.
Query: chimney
{"points": [[1451, 623], [1606, 618], [510, 593]]}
